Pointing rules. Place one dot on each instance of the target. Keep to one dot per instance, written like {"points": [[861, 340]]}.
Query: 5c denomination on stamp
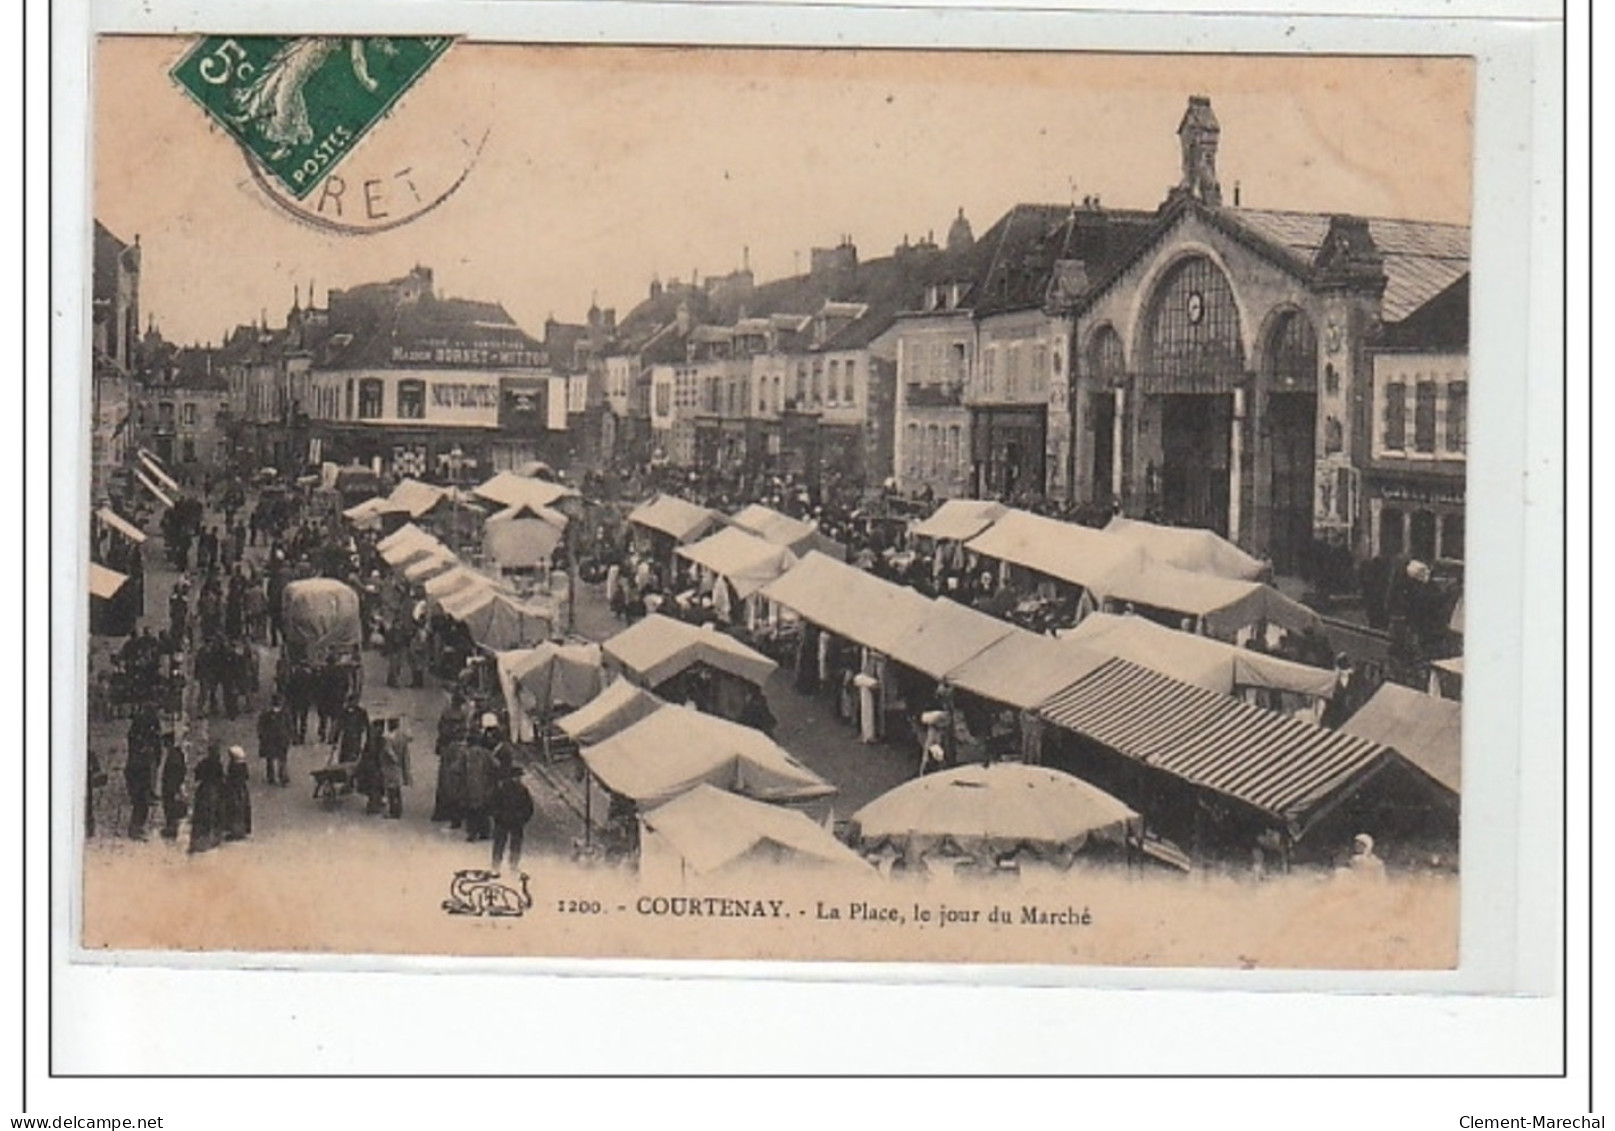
{"points": [[299, 104]]}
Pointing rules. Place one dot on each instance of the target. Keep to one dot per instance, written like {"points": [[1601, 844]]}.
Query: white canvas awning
{"points": [[156, 491], [155, 467], [658, 648], [680, 519], [1190, 548], [415, 497], [848, 602], [710, 830], [122, 525], [509, 489], [746, 561], [959, 520], [1200, 660], [104, 582], [1224, 607], [1077, 555], [676, 749]]}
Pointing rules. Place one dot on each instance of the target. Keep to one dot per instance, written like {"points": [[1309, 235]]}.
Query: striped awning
{"points": [[1276, 764]]}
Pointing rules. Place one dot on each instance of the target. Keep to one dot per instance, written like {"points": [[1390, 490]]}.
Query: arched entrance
{"points": [[1193, 365], [1290, 383]]}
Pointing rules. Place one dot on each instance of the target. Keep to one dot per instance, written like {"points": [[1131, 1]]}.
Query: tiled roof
{"points": [[1422, 258]]}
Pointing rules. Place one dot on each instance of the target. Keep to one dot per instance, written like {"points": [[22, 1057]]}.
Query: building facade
{"points": [[114, 339], [1413, 483], [1225, 373], [427, 386]]}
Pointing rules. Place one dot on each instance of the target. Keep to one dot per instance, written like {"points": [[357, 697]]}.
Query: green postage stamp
{"points": [[300, 104]]}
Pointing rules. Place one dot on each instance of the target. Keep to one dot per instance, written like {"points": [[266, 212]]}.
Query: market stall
{"points": [[673, 518], [415, 497], [619, 706], [1219, 775], [797, 535], [848, 602], [948, 635], [1051, 551], [709, 832], [1190, 548], [686, 663], [522, 537], [540, 680], [1198, 660], [1212, 606], [1423, 729], [983, 818], [737, 565], [959, 520], [676, 749], [509, 489]]}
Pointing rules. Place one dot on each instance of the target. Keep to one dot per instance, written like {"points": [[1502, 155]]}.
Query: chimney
{"points": [[655, 287], [1236, 194], [835, 269], [1198, 133]]}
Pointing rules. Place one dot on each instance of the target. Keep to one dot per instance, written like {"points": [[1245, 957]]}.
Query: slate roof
{"points": [[1017, 259], [1440, 324], [365, 328], [1422, 258]]}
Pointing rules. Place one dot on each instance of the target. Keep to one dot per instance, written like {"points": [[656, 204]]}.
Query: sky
{"points": [[587, 170]]}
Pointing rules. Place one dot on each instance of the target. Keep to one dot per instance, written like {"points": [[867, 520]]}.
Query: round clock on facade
{"points": [[1197, 307]]}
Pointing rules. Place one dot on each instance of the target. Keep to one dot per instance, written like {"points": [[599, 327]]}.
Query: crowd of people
{"points": [[237, 547]]}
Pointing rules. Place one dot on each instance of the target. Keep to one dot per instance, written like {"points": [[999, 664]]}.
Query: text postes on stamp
{"points": [[300, 104]]}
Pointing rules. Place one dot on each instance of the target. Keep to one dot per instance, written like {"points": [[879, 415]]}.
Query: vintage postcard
{"points": [[794, 504]]}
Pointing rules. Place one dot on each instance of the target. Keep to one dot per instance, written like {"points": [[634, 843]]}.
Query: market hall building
{"points": [[1225, 374]]}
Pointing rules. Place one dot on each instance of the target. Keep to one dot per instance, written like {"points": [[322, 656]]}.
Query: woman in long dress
{"points": [[208, 805], [237, 805]]}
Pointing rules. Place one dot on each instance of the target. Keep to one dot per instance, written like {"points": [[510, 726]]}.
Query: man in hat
{"points": [[275, 741], [511, 807]]}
